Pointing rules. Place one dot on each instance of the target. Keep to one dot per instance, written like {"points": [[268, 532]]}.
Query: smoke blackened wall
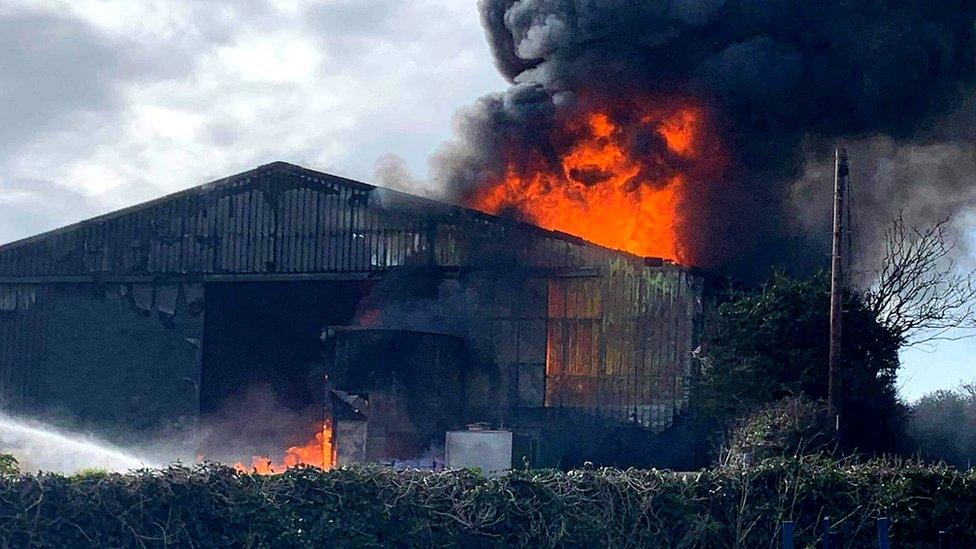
{"points": [[108, 360], [419, 299], [780, 81]]}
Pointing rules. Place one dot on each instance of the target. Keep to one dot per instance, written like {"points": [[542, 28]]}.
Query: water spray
{"points": [[40, 447]]}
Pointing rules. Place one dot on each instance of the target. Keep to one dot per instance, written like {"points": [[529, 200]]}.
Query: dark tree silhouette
{"points": [[772, 343], [919, 292]]}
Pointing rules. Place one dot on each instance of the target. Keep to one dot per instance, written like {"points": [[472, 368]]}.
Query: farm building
{"points": [[404, 315]]}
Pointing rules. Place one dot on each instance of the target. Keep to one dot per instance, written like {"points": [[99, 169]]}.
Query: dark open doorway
{"points": [[262, 384], [267, 334]]}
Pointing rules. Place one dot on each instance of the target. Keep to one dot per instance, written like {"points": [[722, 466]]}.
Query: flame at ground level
{"points": [[617, 184], [318, 452]]}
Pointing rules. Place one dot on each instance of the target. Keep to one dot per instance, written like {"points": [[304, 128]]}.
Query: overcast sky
{"points": [[108, 103]]}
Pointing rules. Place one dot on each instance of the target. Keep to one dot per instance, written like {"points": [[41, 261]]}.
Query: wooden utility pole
{"points": [[834, 386]]}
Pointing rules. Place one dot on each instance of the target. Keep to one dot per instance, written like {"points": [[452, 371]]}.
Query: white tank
{"points": [[489, 450]]}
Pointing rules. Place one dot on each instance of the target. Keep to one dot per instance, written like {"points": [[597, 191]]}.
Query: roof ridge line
{"points": [[227, 180], [281, 166]]}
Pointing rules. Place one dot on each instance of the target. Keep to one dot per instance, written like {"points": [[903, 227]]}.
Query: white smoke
{"points": [[392, 172]]}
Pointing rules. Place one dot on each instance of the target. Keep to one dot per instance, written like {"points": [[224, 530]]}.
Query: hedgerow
{"points": [[213, 506]]}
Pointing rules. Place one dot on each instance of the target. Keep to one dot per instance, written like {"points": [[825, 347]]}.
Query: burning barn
{"points": [[378, 321]]}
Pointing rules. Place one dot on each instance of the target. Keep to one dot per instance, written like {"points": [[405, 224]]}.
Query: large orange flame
{"points": [[317, 452], [600, 191]]}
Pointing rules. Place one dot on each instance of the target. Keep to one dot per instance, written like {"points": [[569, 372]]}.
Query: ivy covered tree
{"points": [[772, 344]]}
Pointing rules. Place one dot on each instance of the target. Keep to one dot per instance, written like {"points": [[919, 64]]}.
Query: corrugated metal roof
{"points": [[283, 218]]}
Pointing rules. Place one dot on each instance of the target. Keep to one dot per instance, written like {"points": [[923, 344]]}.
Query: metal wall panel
{"points": [[617, 339], [620, 345], [21, 326]]}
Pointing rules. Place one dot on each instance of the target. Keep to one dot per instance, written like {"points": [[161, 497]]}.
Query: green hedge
{"points": [[212, 506]]}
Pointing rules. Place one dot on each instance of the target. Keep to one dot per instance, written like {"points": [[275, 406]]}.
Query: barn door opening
{"points": [[262, 385]]}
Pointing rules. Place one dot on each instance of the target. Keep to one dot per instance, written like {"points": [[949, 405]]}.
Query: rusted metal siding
{"points": [[617, 342], [620, 345]]}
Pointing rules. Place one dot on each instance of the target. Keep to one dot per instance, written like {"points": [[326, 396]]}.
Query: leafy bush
{"points": [[772, 343], [792, 426], [212, 506], [8, 465]]}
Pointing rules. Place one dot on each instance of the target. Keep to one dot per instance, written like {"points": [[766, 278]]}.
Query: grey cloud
{"points": [[224, 133], [34, 205], [88, 105], [51, 67], [354, 17], [57, 71]]}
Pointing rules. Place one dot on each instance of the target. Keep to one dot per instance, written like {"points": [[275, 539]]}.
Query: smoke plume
{"points": [[781, 82]]}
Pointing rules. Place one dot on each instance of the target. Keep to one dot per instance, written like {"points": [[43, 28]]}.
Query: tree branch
{"points": [[918, 291]]}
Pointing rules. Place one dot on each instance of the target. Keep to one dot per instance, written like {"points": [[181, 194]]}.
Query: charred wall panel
{"points": [[104, 355], [110, 358], [21, 325], [507, 329]]}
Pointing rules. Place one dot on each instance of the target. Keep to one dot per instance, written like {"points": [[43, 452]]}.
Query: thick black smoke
{"points": [[782, 80]]}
